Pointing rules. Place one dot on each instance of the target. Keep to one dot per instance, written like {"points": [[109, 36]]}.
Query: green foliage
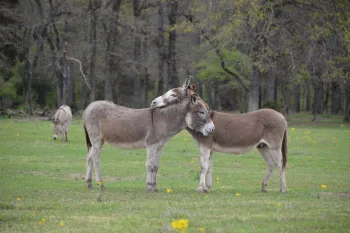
{"points": [[210, 65], [303, 75], [9, 86], [273, 105]]}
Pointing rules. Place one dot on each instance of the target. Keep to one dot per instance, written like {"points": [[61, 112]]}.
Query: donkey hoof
{"points": [[264, 191], [90, 187], [202, 189], [152, 189], [282, 191]]}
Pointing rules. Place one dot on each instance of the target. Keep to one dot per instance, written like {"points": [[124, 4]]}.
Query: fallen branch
{"points": [[81, 70]]}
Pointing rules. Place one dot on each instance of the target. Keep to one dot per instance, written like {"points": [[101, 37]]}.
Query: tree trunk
{"points": [[137, 54], [307, 97], [347, 102], [253, 104], [161, 52], [93, 5], [173, 79], [297, 98], [326, 97], [269, 90], [209, 95], [112, 69], [65, 79], [318, 96], [199, 86], [146, 73], [145, 88], [83, 93], [336, 98]]}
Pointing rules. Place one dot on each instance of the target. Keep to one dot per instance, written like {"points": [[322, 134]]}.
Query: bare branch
{"points": [[81, 70], [190, 18]]}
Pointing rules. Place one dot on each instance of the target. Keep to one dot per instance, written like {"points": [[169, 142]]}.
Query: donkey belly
{"points": [[129, 145], [232, 149]]}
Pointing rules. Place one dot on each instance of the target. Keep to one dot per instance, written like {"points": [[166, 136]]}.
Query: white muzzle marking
{"points": [[208, 128], [158, 102]]}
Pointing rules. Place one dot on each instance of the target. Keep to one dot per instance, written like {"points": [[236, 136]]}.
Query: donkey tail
{"points": [[285, 149], [88, 142]]}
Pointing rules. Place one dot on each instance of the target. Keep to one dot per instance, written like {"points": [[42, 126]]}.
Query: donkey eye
{"points": [[173, 95], [200, 112]]}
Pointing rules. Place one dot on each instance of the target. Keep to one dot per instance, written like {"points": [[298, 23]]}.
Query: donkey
{"points": [[142, 128], [264, 129], [61, 121]]}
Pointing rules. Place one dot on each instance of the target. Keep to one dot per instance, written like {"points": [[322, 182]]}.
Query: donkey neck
{"points": [[172, 118]]}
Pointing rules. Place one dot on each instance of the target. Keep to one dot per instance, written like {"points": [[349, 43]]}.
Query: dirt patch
{"points": [[34, 173], [80, 176], [329, 194]]}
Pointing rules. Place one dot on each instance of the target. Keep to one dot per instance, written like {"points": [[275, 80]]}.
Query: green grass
{"points": [[48, 177]]}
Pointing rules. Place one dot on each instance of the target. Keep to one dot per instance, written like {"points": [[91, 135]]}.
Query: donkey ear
{"points": [[194, 98], [193, 87], [187, 82]]}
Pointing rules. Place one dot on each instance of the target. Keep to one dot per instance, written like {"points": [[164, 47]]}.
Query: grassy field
{"points": [[42, 187]]}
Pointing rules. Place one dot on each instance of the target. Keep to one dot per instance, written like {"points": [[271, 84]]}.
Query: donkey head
{"points": [[198, 117], [56, 128], [173, 96]]}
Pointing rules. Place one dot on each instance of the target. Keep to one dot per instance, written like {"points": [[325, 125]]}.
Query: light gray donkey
{"points": [[264, 129], [61, 121], [142, 128]]}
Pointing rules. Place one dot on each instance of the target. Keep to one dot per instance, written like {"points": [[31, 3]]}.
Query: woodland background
{"points": [[290, 55]]}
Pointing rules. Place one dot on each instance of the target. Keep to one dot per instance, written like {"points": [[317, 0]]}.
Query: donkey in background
{"points": [[142, 128], [61, 121], [264, 129]]}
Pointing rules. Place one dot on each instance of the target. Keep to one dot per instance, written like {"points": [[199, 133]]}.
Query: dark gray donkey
{"points": [[142, 128]]}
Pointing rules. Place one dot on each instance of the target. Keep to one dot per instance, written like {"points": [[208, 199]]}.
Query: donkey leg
{"points": [[278, 161], [204, 163], [96, 161], [155, 170], [66, 132], [208, 177], [88, 176], [153, 155], [267, 155]]}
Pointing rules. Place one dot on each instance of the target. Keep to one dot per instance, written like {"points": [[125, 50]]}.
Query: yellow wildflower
{"points": [[62, 224], [341, 125], [168, 190], [19, 199], [42, 221], [17, 134], [238, 194], [323, 186], [278, 204], [202, 229], [185, 139], [100, 183], [293, 129], [181, 224]]}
